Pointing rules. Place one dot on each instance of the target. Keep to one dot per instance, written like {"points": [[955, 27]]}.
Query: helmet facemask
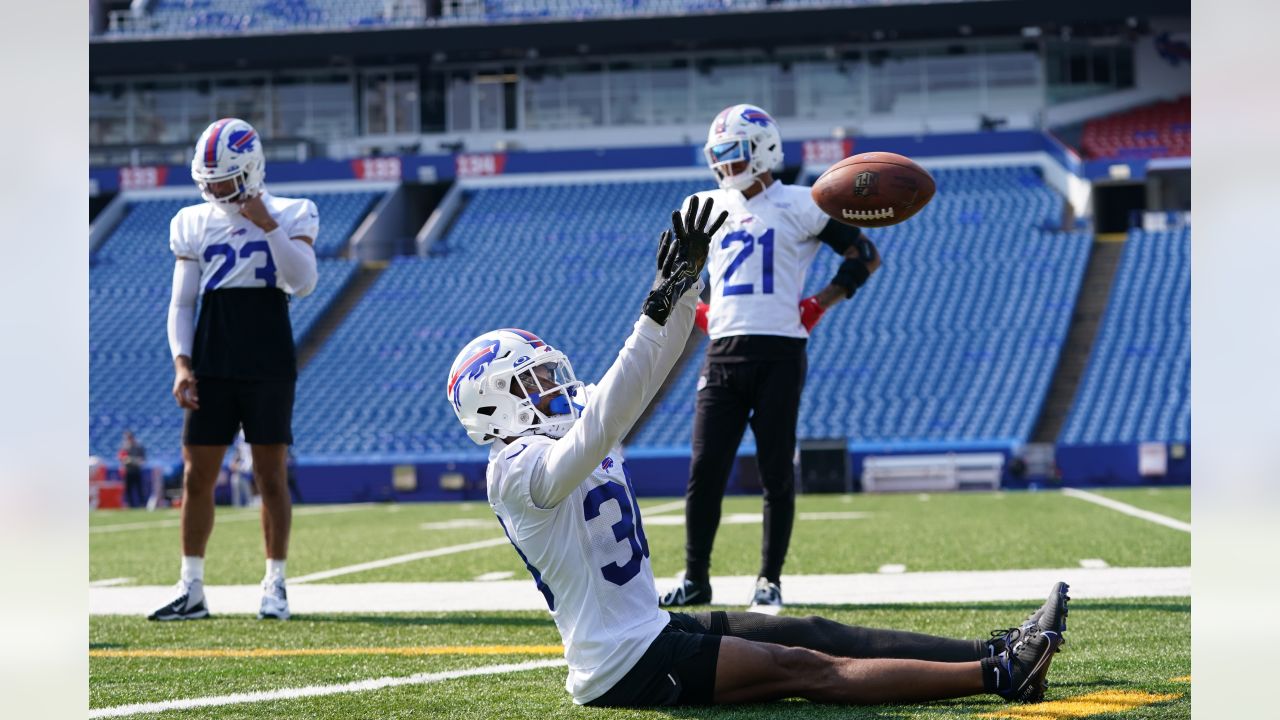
{"points": [[550, 397], [722, 156], [227, 201]]}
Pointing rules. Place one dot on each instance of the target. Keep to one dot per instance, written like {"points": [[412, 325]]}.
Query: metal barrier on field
{"points": [[933, 473]]}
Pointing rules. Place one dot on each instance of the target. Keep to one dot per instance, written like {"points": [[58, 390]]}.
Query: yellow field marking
{"points": [[307, 652], [1112, 237], [1107, 701], [1183, 679]]}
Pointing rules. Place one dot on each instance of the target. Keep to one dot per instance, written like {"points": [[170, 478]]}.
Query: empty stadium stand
{"points": [[956, 340], [1158, 130], [213, 17], [1137, 387], [130, 275]]}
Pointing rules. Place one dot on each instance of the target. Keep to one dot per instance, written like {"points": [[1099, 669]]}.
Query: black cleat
{"points": [[1022, 668], [1049, 617], [685, 593], [189, 605]]}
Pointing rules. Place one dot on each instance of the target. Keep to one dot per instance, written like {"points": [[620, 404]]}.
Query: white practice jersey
{"points": [[759, 259], [233, 252], [569, 509]]}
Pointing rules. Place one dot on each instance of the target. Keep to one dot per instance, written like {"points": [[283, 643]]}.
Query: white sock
{"points": [[275, 569], [192, 568]]}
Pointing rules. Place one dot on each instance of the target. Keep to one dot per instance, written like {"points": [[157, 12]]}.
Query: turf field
{"points": [[1126, 656]]}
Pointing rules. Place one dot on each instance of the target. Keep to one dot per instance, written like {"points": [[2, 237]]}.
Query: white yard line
{"points": [[1127, 509], [892, 569], [1093, 563], [110, 582], [225, 518], [398, 560], [317, 690], [663, 508], [519, 593]]}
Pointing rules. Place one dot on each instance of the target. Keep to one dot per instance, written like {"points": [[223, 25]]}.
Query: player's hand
{"points": [[700, 316], [692, 233], [810, 312], [255, 211], [184, 388]]}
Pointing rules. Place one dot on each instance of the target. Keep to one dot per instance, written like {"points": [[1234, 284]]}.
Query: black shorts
{"points": [[263, 407], [679, 668]]}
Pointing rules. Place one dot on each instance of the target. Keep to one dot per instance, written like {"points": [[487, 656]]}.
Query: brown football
{"points": [[874, 189]]}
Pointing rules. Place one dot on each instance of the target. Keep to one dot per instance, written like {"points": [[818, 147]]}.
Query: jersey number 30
{"points": [[748, 246], [629, 527]]}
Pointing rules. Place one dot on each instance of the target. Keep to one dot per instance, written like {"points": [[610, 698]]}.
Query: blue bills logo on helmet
{"points": [[757, 116], [473, 368], [242, 140]]}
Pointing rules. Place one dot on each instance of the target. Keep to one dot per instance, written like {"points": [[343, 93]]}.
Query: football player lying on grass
{"points": [[557, 482]]}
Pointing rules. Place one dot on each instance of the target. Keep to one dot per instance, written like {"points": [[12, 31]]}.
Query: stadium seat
{"points": [[1157, 130], [956, 339], [1137, 386]]}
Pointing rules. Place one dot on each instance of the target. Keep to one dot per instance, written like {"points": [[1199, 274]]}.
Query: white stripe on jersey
{"points": [[759, 259], [233, 252]]}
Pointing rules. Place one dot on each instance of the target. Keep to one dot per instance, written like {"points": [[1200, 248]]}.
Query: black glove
{"points": [[680, 260], [853, 272]]}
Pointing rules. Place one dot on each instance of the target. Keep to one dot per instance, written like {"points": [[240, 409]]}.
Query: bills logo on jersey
{"points": [[607, 465], [472, 369], [242, 140], [757, 116], [239, 231]]}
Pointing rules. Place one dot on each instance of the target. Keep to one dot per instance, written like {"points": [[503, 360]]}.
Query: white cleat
{"points": [[275, 601], [767, 599]]}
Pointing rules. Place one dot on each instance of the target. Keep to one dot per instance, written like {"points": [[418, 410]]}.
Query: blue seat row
{"points": [[1137, 386]]}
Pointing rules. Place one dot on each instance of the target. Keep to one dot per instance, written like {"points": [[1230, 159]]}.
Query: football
{"points": [[874, 189]]}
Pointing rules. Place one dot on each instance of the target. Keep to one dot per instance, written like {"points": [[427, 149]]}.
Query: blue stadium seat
{"points": [[129, 286], [1137, 386], [956, 339]]}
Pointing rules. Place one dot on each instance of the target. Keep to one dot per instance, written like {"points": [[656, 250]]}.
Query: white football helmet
{"points": [[497, 382], [229, 149], [742, 132]]}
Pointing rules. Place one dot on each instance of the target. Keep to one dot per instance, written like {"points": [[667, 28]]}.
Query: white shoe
{"points": [[767, 598], [275, 601], [189, 605]]}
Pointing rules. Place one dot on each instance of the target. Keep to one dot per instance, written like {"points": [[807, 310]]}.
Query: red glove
{"points": [[700, 316], [810, 312]]}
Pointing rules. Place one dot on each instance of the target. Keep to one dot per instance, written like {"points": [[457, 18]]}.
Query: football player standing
{"points": [[560, 488], [242, 252], [755, 366]]}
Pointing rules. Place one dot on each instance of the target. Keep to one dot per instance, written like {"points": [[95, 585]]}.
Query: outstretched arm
{"points": [[862, 259], [656, 341]]}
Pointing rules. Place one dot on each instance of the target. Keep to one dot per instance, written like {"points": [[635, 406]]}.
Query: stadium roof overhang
{"points": [[550, 39]]}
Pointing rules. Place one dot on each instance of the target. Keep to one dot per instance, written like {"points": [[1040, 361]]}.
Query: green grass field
{"points": [[1140, 647]]}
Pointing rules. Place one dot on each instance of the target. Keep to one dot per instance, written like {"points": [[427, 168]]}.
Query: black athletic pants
{"points": [[753, 379], [134, 495], [679, 667]]}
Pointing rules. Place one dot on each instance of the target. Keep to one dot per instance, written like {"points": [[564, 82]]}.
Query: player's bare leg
{"points": [[200, 467], [270, 473], [756, 672]]}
